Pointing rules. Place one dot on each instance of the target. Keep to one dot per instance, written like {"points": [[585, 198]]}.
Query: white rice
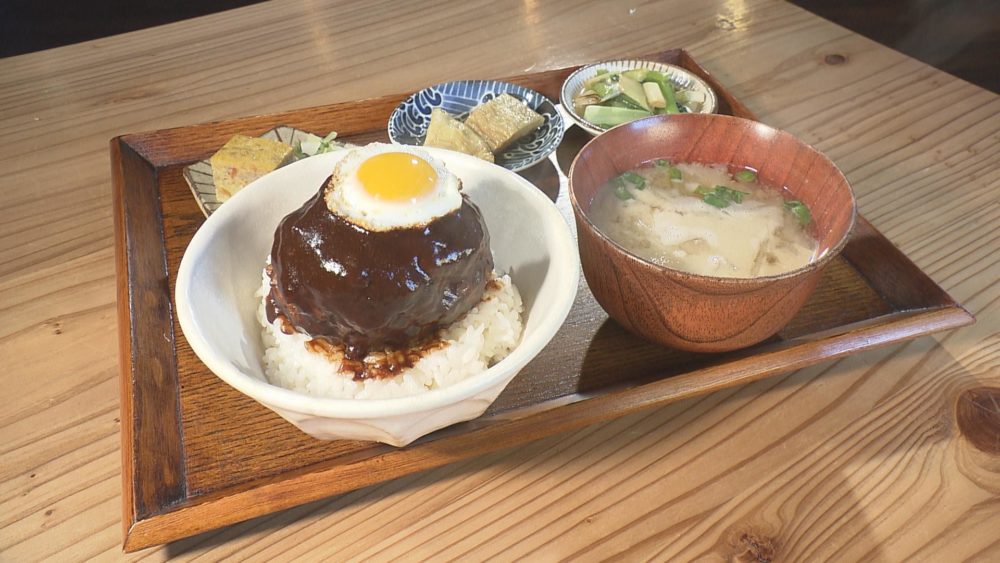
{"points": [[479, 339]]}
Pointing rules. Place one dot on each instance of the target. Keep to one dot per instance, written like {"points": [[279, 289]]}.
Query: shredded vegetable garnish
{"points": [[314, 144]]}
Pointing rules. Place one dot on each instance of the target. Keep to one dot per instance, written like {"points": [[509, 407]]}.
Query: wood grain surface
{"points": [[209, 456], [885, 455]]}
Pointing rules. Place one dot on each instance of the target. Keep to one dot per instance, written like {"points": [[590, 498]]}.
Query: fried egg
{"points": [[382, 187]]}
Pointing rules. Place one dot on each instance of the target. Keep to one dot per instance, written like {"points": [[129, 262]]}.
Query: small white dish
{"points": [[221, 270], [680, 78]]}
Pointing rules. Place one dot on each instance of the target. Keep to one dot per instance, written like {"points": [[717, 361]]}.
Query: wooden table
{"points": [[892, 454]]}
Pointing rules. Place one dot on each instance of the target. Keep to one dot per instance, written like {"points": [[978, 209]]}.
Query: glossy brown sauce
{"points": [[374, 290], [377, 365]]}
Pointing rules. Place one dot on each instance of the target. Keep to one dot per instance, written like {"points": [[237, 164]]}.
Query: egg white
{"points": [[347, 197]]}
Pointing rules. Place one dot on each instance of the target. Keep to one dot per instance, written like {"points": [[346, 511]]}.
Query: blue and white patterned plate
{"points": [[408, 122]]}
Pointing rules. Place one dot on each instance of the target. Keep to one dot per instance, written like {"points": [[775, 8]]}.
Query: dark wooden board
{"points": [[198, 455]]}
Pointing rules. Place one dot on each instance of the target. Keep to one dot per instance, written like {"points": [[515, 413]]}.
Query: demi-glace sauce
{"points": [[375, 290]]}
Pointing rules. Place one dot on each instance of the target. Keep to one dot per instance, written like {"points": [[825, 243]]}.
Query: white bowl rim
{"points": [[275, 397], [566, 98]]}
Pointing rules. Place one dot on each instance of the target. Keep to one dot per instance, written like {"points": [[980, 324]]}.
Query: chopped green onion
{"points": [[675, 173], [661, 162], [746, 176], [800, 210], [730, 194], [622, 193], [714, 200], [633, 178], [720, 196]]}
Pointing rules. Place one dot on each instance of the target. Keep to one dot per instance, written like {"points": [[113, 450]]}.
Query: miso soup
{"points": [[703, 220]]}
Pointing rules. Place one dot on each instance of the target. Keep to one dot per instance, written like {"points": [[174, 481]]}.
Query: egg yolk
{"points": [[397, 176]]}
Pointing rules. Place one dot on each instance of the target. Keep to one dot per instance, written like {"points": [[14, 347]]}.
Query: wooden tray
{"points": [[199, 455]]}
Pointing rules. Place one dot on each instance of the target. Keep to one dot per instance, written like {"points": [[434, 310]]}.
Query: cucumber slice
{"points": [[611, 116], [606, 90], [633, 89], [637, 74]]}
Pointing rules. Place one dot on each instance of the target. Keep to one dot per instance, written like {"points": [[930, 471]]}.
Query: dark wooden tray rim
{"points": [[896, 302]]}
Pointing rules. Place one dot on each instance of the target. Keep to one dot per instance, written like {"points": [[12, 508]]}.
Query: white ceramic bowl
{"points": [[221, 270], [678, 77]]}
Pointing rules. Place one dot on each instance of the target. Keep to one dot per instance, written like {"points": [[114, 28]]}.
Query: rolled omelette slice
{"points": [[503, 120], [446, 132]]}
